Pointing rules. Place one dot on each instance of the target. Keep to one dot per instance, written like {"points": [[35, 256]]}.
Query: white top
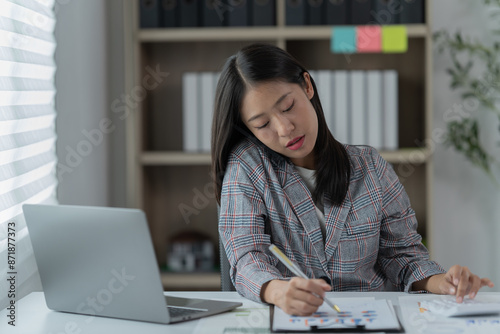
{"points": [[310, 181]]}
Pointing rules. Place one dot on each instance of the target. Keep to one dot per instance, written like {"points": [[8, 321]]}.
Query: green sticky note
{"points": [[394, 39], [343, 40]]}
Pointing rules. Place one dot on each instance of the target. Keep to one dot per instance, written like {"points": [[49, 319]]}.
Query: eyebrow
{"points": [[276, 103]]}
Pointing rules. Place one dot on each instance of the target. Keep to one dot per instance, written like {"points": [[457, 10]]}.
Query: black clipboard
{"points": [[315, 329]]}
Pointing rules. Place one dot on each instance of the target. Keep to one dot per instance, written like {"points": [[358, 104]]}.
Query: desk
{"points": [[34, 317]]}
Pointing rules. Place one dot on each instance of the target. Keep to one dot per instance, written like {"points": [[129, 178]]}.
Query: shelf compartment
{"points": [[251, 33], [161, 112], [179, 199], [179, 158]]}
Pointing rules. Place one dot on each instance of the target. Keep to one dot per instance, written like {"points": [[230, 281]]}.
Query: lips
{"points": [[295, 143]]}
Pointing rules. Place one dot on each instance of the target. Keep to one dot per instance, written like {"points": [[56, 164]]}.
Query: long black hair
{"points": [[259, 63]]}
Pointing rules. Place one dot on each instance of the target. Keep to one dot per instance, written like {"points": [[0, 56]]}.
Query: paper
{"points": [[417, 319], [394, 39], [343, 40], [250, 318], [373, 314], [369, 38]]}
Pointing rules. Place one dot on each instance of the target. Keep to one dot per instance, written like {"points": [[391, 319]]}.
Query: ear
{"points": [[309, 90]]}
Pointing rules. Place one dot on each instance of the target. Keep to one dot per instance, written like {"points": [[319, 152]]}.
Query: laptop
{"points": [[100, 261]]}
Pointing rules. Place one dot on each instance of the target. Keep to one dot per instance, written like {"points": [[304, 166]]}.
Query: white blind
{"points": [[27, 129]]}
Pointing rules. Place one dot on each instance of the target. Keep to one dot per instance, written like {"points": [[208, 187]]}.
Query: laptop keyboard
{"points": [[180, 312]]}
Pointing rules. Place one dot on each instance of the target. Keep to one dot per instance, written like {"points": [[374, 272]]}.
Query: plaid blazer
{"points": [[371, 240]]}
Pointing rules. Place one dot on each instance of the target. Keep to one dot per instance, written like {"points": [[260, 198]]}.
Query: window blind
{"points": [[27, 130]]}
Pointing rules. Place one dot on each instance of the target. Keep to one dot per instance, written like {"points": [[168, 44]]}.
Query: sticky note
{"points": [[394, 39], [368, 38], [343, 40]]}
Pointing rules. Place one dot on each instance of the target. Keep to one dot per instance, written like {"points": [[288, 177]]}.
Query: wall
{"points": [[82, 102], [466, 215], [116, 89]]}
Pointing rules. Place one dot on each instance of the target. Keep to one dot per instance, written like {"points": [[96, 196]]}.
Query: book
{"points": [[263, 12], [213, 13], [295, 12], [386, 11], [315, 12], [238, 13], [149, 11], [189, 13], [412, 11], [360, 11], [169, 13], [337, 12]]}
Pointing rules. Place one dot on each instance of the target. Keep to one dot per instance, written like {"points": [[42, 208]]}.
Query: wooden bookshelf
{"points": [[161, 177]]}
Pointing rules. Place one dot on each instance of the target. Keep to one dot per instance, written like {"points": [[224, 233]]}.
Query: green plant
{"points": [[468, 57]]}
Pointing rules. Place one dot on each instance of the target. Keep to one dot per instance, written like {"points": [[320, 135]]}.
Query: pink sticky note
{"points": [[368, 38]]}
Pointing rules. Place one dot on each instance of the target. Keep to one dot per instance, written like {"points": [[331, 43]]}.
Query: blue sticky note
{"points": [[343, 40]]}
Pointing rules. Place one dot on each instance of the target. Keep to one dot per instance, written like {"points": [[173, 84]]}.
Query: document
{"points": [[418, 319], [372, 314]]}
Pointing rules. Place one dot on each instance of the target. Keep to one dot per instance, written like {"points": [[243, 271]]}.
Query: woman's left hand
{"points": [[458, 281]]}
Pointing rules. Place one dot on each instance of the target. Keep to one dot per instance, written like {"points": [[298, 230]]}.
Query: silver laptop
{"points": [[100, 261]]}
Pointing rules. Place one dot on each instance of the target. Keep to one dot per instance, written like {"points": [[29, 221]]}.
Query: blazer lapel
{"points": [[335, 218], [305, 210]]}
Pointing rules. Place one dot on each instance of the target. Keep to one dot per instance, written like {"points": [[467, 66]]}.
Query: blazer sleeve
{"points": [[402, 255], [242, 229]]}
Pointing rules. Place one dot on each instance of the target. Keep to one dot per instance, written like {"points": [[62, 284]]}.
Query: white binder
{"points": [[325, 89], [374, 106], [390, 86], [206, 108], [190, 95], [341, 123], [357, 96]]}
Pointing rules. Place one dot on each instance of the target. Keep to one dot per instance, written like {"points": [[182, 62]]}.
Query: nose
{"points": [[284, 126]]}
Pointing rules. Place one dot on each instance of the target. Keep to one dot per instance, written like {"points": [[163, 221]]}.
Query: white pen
{"points": [[296, 270]]}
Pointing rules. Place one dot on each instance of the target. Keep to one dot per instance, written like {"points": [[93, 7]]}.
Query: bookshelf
{"points": [[161, 177]]}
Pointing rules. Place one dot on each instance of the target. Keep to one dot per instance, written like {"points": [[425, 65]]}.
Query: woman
{"points": [[338, 211]]}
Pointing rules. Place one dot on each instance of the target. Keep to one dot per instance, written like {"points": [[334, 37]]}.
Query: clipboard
{"points": [[316, 329]]}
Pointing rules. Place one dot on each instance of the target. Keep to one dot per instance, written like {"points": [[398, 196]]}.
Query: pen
{"points": [[296, 270]]}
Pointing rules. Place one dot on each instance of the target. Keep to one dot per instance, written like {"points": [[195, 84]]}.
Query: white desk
{"points": [[34, 317]]}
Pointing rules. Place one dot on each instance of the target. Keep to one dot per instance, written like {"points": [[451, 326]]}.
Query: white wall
{"points": [[466, 217], [89, 77], [82, 102], [116, 84]]}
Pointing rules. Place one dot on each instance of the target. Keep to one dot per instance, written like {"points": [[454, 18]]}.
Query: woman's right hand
{"points": [[298, 296]]}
